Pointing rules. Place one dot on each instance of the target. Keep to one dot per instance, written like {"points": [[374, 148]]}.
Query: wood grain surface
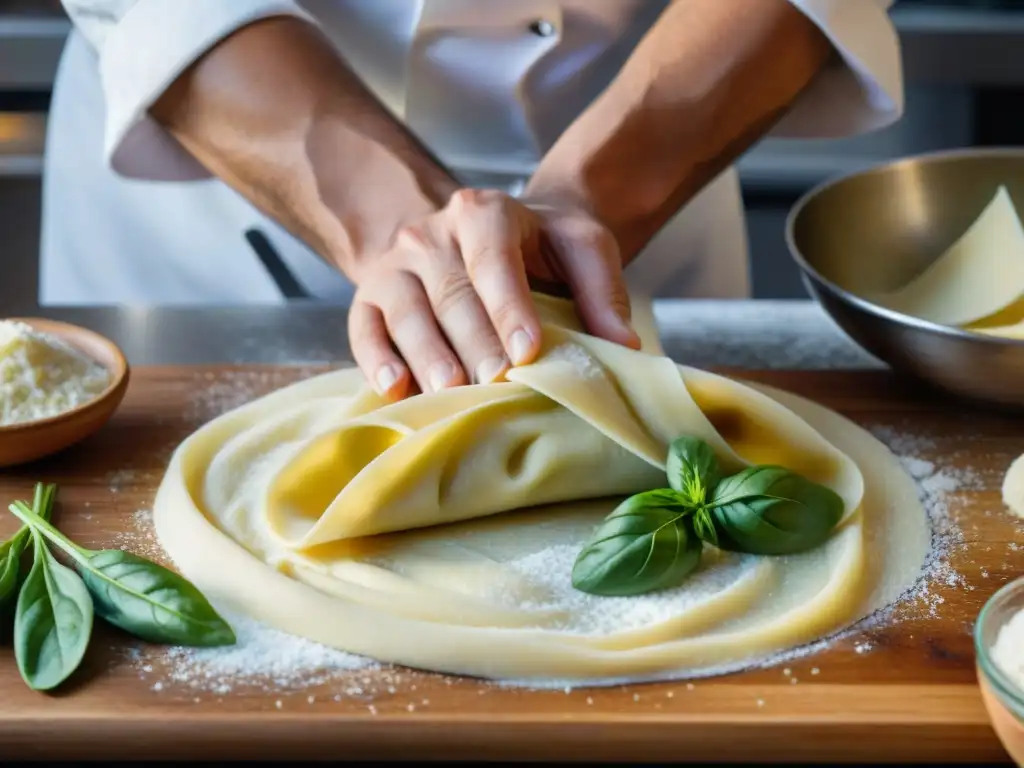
{"points": [[911, 697]]}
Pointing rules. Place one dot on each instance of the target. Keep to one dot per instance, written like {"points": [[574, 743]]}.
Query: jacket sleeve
{"points": [[863, 89], [142, 46]]}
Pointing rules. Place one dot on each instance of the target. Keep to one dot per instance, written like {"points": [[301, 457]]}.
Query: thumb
{"points": [[590, 263]]}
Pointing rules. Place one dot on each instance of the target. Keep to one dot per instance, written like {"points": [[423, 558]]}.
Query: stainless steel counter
{"points": [[744, 334]]}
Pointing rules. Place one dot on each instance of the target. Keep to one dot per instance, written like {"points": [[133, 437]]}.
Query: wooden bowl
{"points": [[27, 441]]}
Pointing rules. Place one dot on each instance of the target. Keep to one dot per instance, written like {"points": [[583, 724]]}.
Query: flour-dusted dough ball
{"points": [[1013, 487]]}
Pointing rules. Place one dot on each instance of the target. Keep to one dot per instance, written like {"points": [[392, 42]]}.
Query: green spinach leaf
{"points": [[646, 544], [152, 602], [769, 510], [140, 596], [11, 551], [10, 563], [52, 621], [692, 469]]}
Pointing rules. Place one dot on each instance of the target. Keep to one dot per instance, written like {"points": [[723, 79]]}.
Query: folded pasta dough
{"points": [[269, 509], [589, 419]]}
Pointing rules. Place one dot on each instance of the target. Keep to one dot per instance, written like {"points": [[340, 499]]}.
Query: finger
{"points": [[589, 257], [411, 324], [373, 353], [435, 259], [490, 231], [464, 320]]}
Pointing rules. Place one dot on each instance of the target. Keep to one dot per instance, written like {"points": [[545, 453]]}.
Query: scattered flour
{"points": [[273, 661], [761, 335], [140, 538], [117, 481], [262, 657], [578, 358], [936, 488], [217, 393]]}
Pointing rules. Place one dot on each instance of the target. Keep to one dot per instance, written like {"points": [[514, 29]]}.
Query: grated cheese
{"points": [[41, 376]]}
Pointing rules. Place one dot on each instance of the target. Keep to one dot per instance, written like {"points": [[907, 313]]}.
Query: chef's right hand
{"points": [[449, 302]]}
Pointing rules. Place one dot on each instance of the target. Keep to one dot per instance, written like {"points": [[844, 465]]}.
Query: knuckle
{"points": [[488, 256], [404, 300], [361, 300], [448, 289], [362, 342], [587, 233], [505, 314], [465, 198], [599, 239], [364, 349], [357, 320], [413, 237], [471, 197]]}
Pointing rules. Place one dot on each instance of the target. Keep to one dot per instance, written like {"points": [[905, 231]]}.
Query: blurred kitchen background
{"points": [[964, 64]]}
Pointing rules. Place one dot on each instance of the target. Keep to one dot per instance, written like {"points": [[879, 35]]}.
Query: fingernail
{"points": [[440, 375], [387, 377], [520, 344], [490, 369], [627, 326]]}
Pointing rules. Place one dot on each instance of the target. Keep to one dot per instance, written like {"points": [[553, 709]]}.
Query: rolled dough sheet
{"points": [[980, 275], [440, 532]]}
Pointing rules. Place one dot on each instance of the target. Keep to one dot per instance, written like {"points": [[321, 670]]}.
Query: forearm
{"points": [[275, 112], [708, 80]]}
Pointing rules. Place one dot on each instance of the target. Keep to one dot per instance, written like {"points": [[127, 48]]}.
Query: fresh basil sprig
{"points": [[769, 510], [692, 469], [654, 540], [647, 543], [54, 615]]}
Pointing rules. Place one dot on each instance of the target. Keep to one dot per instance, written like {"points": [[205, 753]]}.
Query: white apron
{"points": [[129, 218]]}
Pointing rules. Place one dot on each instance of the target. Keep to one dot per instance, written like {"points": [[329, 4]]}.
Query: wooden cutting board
{"points": [[911, 697]]}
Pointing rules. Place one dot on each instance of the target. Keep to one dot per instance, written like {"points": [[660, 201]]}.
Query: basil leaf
{"points": [[11, 551], [646, 544], [770, 510], [151, 602], [692, 469], [52, 621], [143, 598]]}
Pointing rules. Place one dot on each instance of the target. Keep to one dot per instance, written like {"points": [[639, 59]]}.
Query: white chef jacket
{"points": [[488, 85]]}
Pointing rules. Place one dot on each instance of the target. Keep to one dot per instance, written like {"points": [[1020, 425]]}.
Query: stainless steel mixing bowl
{"points": [[874, 230]]}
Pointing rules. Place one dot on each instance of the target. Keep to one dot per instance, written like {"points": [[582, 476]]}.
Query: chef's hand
{"points": [[449, 302]]}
